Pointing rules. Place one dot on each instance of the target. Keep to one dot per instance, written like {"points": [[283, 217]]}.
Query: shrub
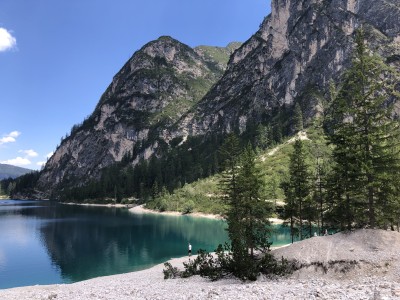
{"points": [[188, 207], [170, 272], [223, 263], [163, 205]]}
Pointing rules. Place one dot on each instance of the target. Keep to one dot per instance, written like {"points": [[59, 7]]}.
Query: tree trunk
{"points": [[348, 211], [371, 204]]}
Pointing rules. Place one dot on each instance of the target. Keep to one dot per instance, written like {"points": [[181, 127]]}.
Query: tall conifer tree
{"points": [[297, 187], [366, 139], [297, 118], [254, 209], [248, 213]]}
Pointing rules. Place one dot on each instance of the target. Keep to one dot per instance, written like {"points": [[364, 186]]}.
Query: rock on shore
{"points": [[375, 276]]}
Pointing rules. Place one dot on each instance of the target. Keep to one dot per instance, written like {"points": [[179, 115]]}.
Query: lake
{"points": [[43, 242]]}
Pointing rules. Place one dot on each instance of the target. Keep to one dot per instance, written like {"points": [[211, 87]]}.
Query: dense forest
{"points": [[170, 168]]}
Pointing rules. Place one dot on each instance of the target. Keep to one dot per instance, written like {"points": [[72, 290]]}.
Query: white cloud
{"points": [[7, 41], [14, 134], [9, 138], [43, 163], [29, 153], [19, 161]]}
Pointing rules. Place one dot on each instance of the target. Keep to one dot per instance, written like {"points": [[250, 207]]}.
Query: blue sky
{"points": [[58, 56]]}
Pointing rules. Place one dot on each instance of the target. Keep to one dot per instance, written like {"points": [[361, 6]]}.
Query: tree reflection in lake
{"points": [[45, 242], [86, 242]]}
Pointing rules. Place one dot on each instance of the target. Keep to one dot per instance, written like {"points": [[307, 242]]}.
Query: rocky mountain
{"points": [[168, 92], [153, 90], [299, 49]]}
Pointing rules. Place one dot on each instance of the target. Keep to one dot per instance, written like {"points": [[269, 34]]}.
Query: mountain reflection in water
{"points": [[67, 243]]}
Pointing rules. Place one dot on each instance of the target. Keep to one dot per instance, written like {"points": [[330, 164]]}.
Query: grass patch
{"points": [[203, 195]]}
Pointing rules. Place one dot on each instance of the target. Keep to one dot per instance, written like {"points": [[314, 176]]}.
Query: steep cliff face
{"points": [[168, 91], [150, 93], [297, 51]]}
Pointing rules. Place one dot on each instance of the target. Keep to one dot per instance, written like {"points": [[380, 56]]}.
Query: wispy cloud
{"points": [[49, 155], [41, 163], [29, 153], [19, 161], [7, 41], [10, 138]]}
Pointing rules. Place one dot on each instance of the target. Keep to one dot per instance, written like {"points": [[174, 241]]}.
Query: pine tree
{"points": [[277, 132], [247, 215], [261, 138], [366, 139], [254, 209], [297, 187], [297, 118], [320, 187], [230, 153]]}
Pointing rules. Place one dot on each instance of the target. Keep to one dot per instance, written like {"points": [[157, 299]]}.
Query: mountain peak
{"points": [[167, 48], [167, 38], [160, 82]]}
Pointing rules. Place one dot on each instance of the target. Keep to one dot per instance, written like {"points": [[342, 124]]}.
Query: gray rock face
{"points": [[168, 90], [161, 82], [297, 51]]}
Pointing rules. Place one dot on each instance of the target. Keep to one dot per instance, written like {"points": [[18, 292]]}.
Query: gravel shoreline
{"points": [[376, 277], [140, 209]]}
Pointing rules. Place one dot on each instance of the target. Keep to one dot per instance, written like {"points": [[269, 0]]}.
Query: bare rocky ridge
{"points": [[376, 277], [300, 47]]}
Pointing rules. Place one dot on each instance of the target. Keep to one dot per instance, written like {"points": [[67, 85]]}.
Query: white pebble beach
{"points": [[377, 276]]}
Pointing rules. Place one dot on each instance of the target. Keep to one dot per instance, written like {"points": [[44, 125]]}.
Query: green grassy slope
{"points": [[203, 195], [220, 55]]}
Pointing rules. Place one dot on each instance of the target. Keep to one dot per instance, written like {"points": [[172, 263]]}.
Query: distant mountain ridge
{"points": [[9, 171]]}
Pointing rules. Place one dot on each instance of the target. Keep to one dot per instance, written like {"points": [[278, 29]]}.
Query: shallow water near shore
{"points": [[43, 242]]}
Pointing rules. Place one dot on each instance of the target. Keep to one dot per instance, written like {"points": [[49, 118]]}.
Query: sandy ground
{"points": [[302, 135], [117, 205], [376, 276], [141, 210]]}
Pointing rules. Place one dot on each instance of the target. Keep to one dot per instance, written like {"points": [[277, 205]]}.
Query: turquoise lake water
{"points": [[45, 243]]}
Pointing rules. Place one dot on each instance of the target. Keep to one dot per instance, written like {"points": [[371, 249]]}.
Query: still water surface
{"points": [[45, 243]]}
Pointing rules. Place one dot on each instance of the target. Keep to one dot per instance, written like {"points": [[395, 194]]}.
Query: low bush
{"points": [[223, 263]]}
